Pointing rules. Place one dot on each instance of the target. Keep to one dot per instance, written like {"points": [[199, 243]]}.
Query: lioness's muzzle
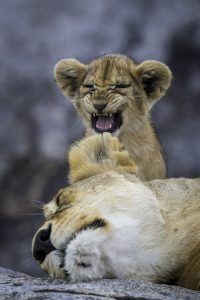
{"points": [[42, 244]]}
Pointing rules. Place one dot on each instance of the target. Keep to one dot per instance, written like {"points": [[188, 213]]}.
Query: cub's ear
{"points": [[69, 74], [155, 77]]}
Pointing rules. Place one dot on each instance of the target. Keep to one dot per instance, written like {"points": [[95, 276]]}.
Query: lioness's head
{"points": [[100, 225], [112, 90]]}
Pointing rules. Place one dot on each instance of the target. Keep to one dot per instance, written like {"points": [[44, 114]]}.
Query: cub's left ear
{"points": [[69, 74], [155, 77]]}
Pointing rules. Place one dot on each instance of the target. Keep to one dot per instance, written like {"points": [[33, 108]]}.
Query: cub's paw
{"points": [[83, 258], [118, 157], [97, 154]]}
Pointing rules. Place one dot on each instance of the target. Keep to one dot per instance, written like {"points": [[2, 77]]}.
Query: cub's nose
{"points": [[42, 245], [100, 107]]}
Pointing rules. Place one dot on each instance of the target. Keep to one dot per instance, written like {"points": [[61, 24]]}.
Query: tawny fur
{"points": [[105, 155], [147, 82], [151, 230]]}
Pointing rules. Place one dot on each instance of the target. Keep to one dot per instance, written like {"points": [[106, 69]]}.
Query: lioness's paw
{"points": [[52, 265], [83, 259]]}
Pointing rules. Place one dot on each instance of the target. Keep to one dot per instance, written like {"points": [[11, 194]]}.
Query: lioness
{"points": [[110, 224], [115, 94]]}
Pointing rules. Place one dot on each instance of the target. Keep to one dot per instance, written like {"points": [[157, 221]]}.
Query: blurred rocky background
{"points": [[37, 124]]}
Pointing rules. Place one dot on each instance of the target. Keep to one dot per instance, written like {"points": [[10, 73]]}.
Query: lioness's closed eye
{"points": [[115, 94], [111, 224]]}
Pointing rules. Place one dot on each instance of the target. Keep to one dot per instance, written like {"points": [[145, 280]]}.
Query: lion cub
{"points": [[115, 94]]}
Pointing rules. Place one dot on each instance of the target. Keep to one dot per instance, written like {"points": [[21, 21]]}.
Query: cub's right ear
{"points": [[69, 74]]}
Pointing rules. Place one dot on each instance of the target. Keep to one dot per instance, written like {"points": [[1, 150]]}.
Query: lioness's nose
{"points": [[100, 107], [42, 245]]}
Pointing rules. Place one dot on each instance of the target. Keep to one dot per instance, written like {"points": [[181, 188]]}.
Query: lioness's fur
{"points": [[117, 86], [109, 223]]}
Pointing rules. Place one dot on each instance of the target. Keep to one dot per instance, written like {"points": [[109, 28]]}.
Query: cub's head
{"points": [[112, 90]]}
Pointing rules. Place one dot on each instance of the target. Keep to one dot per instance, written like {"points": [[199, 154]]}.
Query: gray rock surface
{"points": [[15, 285]]}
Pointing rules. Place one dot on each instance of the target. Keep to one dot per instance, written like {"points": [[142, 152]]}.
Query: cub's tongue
{"points": [[105, 123]]}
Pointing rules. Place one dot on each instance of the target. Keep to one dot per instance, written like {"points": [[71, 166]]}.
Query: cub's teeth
{"points": [[110, 126], [105, 115]]}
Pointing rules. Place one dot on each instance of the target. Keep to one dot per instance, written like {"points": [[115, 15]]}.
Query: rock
{"points": [[15, 285]]}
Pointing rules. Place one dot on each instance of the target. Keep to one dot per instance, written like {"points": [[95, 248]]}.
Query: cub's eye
{"points": [[89, 86], [122, 85]]}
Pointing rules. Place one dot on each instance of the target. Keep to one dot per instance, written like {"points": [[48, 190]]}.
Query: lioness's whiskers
{"points": [[27, 262], [34, 214], [38, 202], [27, 251]]}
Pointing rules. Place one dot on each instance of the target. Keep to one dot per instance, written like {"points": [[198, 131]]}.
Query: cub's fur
{"points": [[110, 224], [115, 94]]}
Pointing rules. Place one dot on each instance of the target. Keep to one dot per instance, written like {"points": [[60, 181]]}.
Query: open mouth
{"points": [[106, 122]]}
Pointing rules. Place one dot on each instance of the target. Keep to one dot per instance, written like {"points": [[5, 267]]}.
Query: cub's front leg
{"points": [[84, 258]]}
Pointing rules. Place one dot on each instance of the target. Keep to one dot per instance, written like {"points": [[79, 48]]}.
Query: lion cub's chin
{"points": [[115, 133]]}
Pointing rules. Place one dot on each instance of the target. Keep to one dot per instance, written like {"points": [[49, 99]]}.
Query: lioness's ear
{"points": [[155, 77], [69, 74]]}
